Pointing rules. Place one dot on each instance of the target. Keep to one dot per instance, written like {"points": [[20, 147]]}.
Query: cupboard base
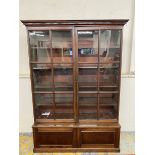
{"points": [[49, 150], [76, 138]]}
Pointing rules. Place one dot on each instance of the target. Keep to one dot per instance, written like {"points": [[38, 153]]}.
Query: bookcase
{"points": [[75, 70]]}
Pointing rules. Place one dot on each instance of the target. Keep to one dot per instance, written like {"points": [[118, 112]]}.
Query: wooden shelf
{"points": [[68, 60], [61, 86], [43, 92], [89, 105], [100, 92], [40, 62], [42, 68], [64, 105], [40, 47], [100, 67], [50, 67], [83, 43], [96, 63], [53, 92], [88, 86], [87, 92], [99, 86], [108, 92], [108, 86], [54, 62], [44, 105]]}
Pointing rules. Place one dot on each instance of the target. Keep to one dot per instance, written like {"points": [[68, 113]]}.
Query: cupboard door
{"points": [[98, 71], [52, 66], [99, 137], [53, 137], [97, 65]]}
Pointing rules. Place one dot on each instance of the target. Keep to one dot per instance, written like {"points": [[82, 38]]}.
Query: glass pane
{"points": [[62, 46], [64, 106], [87, 78], [87, 105], [108, 105], [110, 45], [88, 46], [43, 104], [39, 46], [42, 77], [63, 77], [109, 75]]}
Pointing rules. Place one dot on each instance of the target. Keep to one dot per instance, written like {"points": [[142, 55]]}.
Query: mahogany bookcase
{"points": [[75, 70]]}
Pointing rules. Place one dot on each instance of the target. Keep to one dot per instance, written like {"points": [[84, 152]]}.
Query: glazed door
{"points": [[75, 74], [52, 71], [98, 73]]}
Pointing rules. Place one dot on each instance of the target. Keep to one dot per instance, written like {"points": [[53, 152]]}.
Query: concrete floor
{"points": [[127, 146]]}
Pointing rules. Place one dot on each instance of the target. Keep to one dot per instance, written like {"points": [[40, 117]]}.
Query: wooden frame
{"points": [[77, 134]]}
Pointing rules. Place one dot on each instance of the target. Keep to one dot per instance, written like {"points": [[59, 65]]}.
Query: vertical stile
{"points": [[77, 75], [52, 69], [119, 78], [98, 75], [74, 73], [31, 76]]}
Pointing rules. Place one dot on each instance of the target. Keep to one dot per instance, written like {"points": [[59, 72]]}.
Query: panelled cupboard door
{"points": [[98, 70], [47, 137], [52, 70]]}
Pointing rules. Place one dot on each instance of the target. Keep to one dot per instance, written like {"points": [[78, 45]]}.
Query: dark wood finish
{"points": [[75, 85], [74, 22], [78, 136]]}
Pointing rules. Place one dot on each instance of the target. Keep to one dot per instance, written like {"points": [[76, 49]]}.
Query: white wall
{"points": [[79, 9], [127, 103]]}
